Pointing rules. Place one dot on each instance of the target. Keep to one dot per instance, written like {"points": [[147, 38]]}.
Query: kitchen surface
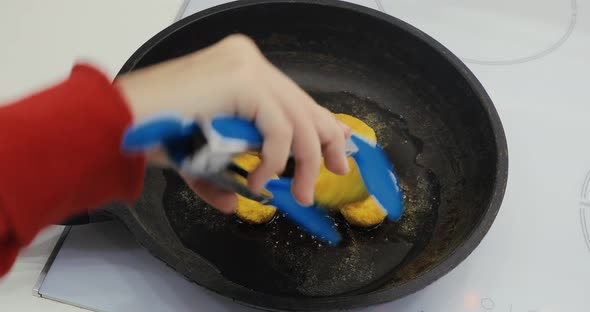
{"points": [[42, 42], [532, 57]]}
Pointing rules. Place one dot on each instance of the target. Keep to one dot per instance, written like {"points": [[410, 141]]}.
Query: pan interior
{"points": [[426, 115]]}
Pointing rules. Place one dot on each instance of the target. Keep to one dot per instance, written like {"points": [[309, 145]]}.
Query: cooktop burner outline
{"points": [[584, 206], [503, 61], [380, 5], [544, 52]]}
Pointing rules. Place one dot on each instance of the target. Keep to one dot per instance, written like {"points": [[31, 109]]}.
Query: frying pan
{"points": [[433, 118]]}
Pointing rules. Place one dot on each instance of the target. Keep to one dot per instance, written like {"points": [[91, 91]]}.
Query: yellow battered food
{"points": [[248, 161], [345, 193], [332, 190], [364, 213], [254, 212], [249, 210]]}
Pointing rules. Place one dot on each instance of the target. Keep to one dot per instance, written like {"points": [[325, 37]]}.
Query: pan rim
{"points": [[457, 256]]}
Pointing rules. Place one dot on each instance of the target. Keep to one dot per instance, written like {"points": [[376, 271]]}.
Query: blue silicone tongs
{"points": [[206, 151]]}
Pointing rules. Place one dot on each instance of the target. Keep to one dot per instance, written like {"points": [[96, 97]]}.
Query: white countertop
{"points": [[538, 83], [40, 42]]}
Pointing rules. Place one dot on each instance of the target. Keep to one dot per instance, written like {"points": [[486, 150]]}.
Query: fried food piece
{"points": [[248, 161], [331, 190], [254, 212], [364, 213], [249, 210]]}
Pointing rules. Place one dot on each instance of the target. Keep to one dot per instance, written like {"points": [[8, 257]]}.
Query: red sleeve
{"points": [[60, 156]]}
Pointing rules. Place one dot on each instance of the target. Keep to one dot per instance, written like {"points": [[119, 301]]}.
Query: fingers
{"points": [[332, 134], [316, 132], [224, 201], [278, 135], [308, 156], [346, 129]]}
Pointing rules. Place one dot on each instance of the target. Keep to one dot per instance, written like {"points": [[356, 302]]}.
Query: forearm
{"points": [[60, 156]]}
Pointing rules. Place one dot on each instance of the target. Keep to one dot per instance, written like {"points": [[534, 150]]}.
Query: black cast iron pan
{"points": [[432, 116]]}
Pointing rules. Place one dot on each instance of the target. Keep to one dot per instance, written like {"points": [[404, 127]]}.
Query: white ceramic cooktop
{"points": [[533, 57]]}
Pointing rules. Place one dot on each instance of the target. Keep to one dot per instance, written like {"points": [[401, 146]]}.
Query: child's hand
{"points": [[233, 77]]}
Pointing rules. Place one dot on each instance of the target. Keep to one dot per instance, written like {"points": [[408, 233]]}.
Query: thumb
{"points": [[222, 200]]}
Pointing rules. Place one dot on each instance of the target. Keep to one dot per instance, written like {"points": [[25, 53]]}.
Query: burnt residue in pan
{"points": [[278, 258]]}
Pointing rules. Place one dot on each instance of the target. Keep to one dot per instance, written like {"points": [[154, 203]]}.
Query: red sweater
{"points": [[60, 156]]}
